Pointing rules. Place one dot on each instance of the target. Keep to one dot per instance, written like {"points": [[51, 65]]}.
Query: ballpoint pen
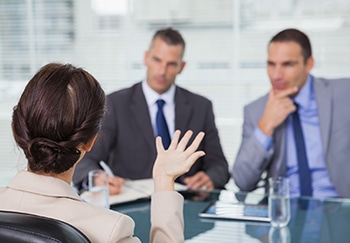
{"points": [[106, 168], [128, 183]]}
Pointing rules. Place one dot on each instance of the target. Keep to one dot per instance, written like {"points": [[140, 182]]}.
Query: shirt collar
{"points": [[152, 96], [306, 94]]}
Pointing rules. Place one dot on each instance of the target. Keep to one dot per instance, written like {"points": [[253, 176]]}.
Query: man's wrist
{"points": [[265, 128], [265, 141]]}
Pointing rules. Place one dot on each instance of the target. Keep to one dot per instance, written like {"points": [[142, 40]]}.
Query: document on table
{"points": [[137, 189], [250, 212], [229, 207]]}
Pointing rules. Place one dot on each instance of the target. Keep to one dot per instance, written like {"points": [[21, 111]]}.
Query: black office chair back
{"points": [[22, 227]]}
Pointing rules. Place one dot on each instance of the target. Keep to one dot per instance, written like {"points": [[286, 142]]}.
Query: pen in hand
{"points": [[115, 183], [106, 168]]}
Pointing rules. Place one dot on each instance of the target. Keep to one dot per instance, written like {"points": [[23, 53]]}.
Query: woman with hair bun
{"points": [[56, 122]]}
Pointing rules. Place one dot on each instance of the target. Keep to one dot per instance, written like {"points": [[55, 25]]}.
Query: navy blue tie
{"points": [[304, 170], [162, 127]]}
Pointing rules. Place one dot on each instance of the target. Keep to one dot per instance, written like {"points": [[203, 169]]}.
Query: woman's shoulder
{"points": [[104, 225]]}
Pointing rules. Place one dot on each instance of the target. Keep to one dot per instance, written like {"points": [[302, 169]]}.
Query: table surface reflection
{"points": [[312, 220]]}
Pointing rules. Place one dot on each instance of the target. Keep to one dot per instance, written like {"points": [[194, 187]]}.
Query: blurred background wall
{"points": [[225, 53]]}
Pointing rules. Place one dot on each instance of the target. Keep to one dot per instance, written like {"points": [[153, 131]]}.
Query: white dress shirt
{"points": [[168, 108]]}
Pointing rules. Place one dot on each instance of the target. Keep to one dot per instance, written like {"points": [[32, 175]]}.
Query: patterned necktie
{"points": [[304, 170], [162, 127]]}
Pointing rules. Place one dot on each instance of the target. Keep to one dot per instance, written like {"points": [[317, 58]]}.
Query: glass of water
{"points": [[98, 188], [279, 201], [279, 235]]}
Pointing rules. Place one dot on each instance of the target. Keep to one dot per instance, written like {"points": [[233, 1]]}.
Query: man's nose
{"points": [[277, 73], [162, 69]]}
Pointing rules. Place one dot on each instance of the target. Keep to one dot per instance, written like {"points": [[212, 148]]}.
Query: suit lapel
{"points": [[140, 114], [182, 110], [324, 105]]}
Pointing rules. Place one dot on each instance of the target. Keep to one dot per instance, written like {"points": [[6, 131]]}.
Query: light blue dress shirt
{"points": [[308, 113]]}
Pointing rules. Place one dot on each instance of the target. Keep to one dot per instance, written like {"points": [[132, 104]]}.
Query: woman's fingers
{"points": [[195, 144], [159, 145], [182, 144], [175, 140]]}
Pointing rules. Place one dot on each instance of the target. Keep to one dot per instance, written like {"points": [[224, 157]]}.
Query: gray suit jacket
{"points": [[54, 198], [127, 140], [333, 99]]}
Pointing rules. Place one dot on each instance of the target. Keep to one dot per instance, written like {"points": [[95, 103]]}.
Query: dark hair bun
{"points": [[60, 109], [45, 154]]}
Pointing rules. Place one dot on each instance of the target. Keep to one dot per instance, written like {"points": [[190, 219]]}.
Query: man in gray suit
{"points": [[268, 143], [127, 138]]}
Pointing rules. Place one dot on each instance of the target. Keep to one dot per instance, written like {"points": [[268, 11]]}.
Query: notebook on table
{"points": [[133, 190], [236, 210], [137, 189]]}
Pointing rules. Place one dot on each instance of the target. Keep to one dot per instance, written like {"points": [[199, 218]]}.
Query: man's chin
{"points": [[278, 90], [160, 89], [280, 86]]}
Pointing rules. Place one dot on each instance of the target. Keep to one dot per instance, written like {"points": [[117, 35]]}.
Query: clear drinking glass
{"points": [[98, 188], [279, 235], [279, 201]]}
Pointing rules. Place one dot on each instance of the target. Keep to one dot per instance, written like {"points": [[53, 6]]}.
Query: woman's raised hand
{"points": [[176, 160]]}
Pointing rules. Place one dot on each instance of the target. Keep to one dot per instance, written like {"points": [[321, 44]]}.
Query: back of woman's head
{"points": [[61, 107]]}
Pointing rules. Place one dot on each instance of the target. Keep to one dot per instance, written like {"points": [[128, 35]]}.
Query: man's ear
{"points": [[310, 64], [88, 146], [183, 64], [145, 57]]}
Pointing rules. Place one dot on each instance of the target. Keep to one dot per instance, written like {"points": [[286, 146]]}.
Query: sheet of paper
{"points": [[133, 190], [137, 189]]}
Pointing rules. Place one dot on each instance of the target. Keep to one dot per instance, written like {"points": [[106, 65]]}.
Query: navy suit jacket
{"points": [[127, 140]]}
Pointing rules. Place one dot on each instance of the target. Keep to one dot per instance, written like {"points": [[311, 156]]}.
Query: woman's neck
{"points": [[65, 176]]}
